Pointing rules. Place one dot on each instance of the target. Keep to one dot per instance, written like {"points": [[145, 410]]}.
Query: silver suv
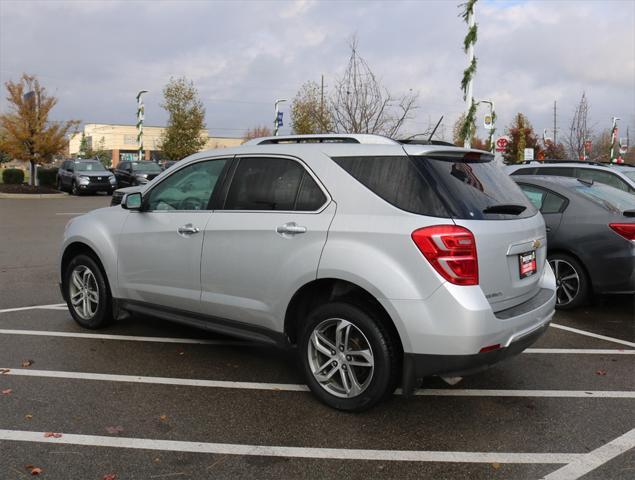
{"points": [[620, 176], [382, 263]]}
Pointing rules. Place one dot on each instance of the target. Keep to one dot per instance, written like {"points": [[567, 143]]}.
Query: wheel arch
{"points": [[324, 290], [80, 248]]}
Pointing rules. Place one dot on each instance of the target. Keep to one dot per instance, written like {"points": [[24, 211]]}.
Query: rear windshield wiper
{"points": [[508, 209]]}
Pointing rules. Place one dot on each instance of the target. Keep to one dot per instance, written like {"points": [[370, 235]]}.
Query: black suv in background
{"points": [[136, 173], [85, 176]]}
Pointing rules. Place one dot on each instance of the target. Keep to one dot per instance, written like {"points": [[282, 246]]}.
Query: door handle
{"points": [[548, 229], [188, 229], [290, 228]]}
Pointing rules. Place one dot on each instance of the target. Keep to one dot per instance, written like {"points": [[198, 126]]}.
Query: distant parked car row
{"points": [[90, 176]]}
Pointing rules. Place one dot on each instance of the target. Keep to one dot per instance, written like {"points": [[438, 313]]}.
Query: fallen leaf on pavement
{"points": [[110, 476], [4, 370], [496, 465], [28, 416], [7, 391], [114, 430], [601, 372], [27, 363], [163, 418], [34, 470], [52, 434]]}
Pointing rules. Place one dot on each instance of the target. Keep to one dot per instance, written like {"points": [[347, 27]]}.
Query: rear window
{"points": [[611, 198], [439, 186]]}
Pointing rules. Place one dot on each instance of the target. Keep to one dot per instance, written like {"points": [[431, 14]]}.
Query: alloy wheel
{"points": [[340, 358], [84, 292], [567, 281]]}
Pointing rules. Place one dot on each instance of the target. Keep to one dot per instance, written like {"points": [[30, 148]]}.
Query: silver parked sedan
{"points": [[381, 262], [590, 233]]}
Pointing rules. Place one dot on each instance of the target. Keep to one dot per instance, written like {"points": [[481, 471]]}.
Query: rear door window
{"points": [[559, 171], [267, 183], [524, 171]]}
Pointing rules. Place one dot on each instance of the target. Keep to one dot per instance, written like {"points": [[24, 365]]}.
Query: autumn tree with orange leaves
{"points": [[28, 134]]}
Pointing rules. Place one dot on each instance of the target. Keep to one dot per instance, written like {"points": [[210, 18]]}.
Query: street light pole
{"points": [[613, 139], [275, 121], [140, 117]]}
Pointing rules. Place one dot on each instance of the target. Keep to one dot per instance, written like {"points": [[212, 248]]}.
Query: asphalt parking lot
{"points": [[145, 399]]}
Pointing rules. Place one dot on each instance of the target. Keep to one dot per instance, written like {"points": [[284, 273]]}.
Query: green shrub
{"points": [[13, 176], [47, 176]]}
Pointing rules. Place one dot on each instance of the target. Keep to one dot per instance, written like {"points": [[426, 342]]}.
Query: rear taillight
{"points": [[451, 250], [627, 230]]}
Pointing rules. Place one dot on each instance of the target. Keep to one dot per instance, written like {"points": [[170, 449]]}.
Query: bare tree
{"points": [[360, 104], [580, 130]]}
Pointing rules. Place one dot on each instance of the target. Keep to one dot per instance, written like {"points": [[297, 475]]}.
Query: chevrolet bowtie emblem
{"points": [[536, 244]]}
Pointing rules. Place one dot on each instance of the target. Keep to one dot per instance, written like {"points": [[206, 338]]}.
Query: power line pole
{"points": [[555, 125]]}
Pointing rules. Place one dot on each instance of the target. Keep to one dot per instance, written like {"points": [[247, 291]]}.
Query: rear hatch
{"points": [[509, 232]]}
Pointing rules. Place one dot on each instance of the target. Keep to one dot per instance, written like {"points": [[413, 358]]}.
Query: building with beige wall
{"points": [[121, 141]]}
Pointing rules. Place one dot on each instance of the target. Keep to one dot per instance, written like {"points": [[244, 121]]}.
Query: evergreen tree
{"points": [[522, 136]]}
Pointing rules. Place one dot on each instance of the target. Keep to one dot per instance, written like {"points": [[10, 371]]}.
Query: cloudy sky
{"points": [[95, 55]]}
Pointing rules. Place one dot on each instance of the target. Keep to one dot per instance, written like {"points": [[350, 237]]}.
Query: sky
{"points": [[95, 56]]}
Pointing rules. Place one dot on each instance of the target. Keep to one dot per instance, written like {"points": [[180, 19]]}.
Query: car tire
{"points": [[572, 281], [352, 370], [87, 292]]}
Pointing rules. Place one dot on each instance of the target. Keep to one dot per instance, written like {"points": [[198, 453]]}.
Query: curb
{"points": [[34, 195]]}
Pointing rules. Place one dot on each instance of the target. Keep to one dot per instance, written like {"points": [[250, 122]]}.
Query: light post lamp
{"points": [[278, 118], [140, 117], [492, 124]]}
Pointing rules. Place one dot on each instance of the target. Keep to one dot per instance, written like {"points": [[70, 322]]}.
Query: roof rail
{"points": [[360, 138], [412, 141]]}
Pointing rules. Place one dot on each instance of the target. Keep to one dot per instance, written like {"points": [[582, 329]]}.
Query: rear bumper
{"points": [[418, 366], [444, 334]]}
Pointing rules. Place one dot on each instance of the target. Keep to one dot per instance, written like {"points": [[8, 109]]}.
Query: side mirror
{"points": [[132, 201]]}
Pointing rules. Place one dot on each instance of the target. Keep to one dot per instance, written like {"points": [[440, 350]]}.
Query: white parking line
{"points": [[71, 213], [580, 351], [594, 459], [291, 452], [594, 335], [293, 387], [130, 338], [54, 306], [237, 343]]}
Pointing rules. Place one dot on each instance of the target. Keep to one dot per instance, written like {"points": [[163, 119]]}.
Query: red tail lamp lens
{"points": [[451, 250], [627, 230]]}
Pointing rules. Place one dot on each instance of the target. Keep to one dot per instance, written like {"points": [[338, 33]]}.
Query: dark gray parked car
{"points": [[134, 173], [590, 235], [85, 176]]}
